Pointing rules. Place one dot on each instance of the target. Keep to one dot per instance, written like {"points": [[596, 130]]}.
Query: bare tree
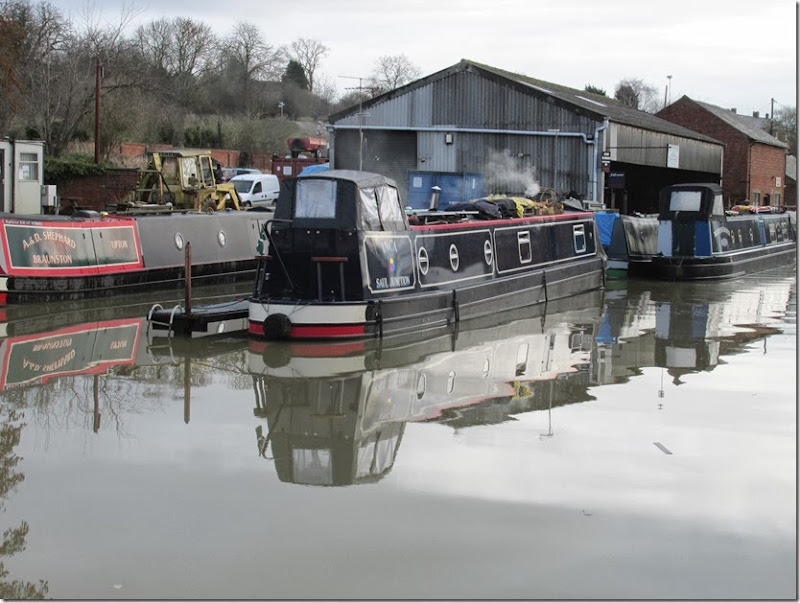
{"points": [[635, 93], [179, 50], [309, 53], [393, 71], [247, 53], [784, 127]]}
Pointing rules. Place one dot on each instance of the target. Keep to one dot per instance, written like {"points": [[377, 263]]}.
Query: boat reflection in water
{"points": [[335, 414], [686, 329]]}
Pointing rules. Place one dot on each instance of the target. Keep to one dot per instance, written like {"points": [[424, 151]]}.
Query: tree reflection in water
{"points": [[13, 539]]}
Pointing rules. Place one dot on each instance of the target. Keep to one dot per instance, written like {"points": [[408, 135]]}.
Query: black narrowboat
{"points": [[698, 240], [347, 260]]}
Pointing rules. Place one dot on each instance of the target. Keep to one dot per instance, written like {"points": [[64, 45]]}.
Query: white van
{"points": [[257, 189]]}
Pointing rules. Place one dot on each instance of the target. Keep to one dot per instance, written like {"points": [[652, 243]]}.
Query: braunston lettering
{"points": [[49, 259], [53, 344]]}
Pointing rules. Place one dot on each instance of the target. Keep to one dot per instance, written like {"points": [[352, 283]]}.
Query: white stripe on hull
{"points": [[311, 314]]}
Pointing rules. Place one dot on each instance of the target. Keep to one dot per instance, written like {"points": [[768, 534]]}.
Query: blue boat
{"points": [[698, 239]]}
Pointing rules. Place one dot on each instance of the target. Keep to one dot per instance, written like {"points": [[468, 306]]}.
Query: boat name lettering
{"points": [[119, 344], [48, 368], [119, 244], [51, 259], [392, 282], [54, 344], [49, 235]]}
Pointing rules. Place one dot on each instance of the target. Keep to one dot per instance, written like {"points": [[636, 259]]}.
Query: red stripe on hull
{"points": [[314, 331], [327, 331]]}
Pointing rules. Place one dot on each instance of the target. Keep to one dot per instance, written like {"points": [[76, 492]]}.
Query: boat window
{"points": [[719, 206], [370, 217], [522, 360], [392, 215], [312, 466], [685, 200], [524, 241], [579, 238], [315, 198]]}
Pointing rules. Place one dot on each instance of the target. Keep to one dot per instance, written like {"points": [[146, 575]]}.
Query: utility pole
{"points": [[772, 117], [360, 118], [99, 76]]}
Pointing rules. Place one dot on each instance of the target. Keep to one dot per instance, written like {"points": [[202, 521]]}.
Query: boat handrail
{"points": [[275, 250], [177, 308]]}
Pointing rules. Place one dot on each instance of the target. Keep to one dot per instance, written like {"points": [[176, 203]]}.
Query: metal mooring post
{"points": [[188, 268]]}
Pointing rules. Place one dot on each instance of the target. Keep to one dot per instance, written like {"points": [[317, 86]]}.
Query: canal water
{"points": [[639, 442]]}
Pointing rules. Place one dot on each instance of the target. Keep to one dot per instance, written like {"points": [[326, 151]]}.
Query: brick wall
{"points": [[767, 163], [134, 155], [96, 192], [745, 168]]}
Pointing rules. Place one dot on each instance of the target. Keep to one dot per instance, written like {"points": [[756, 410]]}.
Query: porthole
{"points": [[221, 238], [488, 253], [178, 240], [454, 257], [422, 260]]}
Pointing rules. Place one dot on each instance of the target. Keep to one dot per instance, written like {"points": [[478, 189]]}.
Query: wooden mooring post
{"points": [[188, 287]]}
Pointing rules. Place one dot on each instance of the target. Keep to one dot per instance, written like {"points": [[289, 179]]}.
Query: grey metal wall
{"points": [[526, 129], [644, 147]]}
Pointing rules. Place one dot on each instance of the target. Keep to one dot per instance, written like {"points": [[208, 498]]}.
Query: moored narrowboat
{"points": [[347, 261], [697, 240], [88, 254]]}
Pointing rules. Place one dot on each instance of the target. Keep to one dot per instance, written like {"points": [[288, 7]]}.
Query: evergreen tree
{"points": [[295, 74]]}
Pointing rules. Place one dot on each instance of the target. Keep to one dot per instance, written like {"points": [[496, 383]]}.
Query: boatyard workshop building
{"points": [[473, 130], [755, 161]]}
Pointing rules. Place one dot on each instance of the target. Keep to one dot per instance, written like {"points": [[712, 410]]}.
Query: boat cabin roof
{"points": [[695, 200], [342, 200]]}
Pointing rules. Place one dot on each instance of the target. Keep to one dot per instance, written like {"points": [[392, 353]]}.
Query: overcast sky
{"points": [[731, 53]]}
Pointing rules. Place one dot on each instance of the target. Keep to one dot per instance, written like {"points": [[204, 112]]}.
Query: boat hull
{"points": [[56, 258], [426, 310], [716, 267]]}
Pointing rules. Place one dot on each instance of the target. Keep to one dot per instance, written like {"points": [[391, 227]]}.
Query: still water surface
{"points": [[635, 443]]}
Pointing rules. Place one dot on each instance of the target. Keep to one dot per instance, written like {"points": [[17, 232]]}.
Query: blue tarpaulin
{"points": [[605, 224], [313, 169]]}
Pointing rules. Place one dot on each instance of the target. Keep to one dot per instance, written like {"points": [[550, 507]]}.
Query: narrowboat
{"points": [[627, 239], [348, 260], [698, 240], [89, 254]]}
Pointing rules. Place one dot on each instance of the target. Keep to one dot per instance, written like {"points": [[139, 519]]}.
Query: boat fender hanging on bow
{"points": [[277, 326]]}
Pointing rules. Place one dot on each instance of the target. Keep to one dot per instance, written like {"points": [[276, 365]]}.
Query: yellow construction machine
{"points": [[182, 180]]}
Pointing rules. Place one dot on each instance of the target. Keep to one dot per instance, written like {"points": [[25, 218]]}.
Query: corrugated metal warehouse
{"points": [[472, 130]]}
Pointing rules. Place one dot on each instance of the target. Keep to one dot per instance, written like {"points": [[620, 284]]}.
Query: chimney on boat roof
{"points": [[434, 198], [733, 110]]}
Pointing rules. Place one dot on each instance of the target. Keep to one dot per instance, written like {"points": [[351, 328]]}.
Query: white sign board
{"points": [[673, 155]]}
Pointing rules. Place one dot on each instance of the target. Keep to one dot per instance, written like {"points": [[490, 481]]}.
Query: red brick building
{"points": [[754, 163]]}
